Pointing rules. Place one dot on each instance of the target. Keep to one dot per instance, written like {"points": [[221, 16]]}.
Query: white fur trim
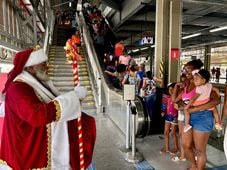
{"points": [[69, 105], [4, 167], [36, 57], [81, 91]]}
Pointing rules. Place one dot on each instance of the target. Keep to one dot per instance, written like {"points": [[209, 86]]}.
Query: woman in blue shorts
{"points": [[202, 124]]}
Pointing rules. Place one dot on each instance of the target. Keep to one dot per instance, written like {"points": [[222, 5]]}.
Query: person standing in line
{"points": [[118, 49], [132, 78], [218, 73], [123, 61], [170, 115], [201, 121], [178, 88], [224, 115], [202, 95], [226, 75], [40, 125], [213, 70], [148, 91]]}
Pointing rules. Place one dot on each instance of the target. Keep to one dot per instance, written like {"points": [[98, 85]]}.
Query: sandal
{"points": [[177, 159], [174, 152], [218, 126]]}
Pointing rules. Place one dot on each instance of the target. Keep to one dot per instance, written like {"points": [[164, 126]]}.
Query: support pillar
{"points": [[175, 30], [207, 57], [161, 38]]}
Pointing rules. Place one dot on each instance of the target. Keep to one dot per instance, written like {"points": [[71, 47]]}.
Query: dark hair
{"points": [[121, 68], [132, 68], [149, 74], [125, 51], [171, 85], [183, 75], [197, 64], [205, 74]]}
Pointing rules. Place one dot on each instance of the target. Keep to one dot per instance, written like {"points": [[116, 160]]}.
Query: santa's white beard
{"points": [[42, 75]]}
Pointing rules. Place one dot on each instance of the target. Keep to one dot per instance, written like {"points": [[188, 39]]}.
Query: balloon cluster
{"points": [[71, 51]]}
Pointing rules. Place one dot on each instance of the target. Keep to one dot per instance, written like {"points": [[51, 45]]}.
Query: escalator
{"points": [[111, 99]]}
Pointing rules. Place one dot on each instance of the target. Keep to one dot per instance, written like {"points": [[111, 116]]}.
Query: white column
{"points": [[175, 28], [161, 38]]}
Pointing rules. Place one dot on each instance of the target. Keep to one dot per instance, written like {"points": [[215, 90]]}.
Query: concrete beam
{"points": [[128, 9], [141, 17], [112, 4], [139, 26]]}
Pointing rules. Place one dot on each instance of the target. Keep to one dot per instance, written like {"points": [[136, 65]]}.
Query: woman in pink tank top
{"points": [[202, 120]]}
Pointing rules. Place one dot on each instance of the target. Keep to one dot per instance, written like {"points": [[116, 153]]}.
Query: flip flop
{"points": [[174, 152], [218, 126], [177, 159]]}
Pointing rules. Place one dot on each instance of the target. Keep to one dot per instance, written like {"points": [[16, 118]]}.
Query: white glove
{"points": [[81, 91]]}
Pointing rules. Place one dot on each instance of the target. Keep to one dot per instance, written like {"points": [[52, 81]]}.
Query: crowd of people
{"points": [[65, 17], [217, 74], [35, 110], [190, 104]]}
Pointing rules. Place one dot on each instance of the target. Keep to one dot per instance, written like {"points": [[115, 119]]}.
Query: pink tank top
{"points": [[187, 96], [170, 107]]}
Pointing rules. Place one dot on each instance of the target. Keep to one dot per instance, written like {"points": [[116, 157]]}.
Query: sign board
{"points": [[129, 92], [174, 53], [146, 39]]}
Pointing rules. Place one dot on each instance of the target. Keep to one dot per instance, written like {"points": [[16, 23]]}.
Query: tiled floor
{"points": [[110, 139]]}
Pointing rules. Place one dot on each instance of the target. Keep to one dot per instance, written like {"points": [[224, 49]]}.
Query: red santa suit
{"points": [[40, 127]]}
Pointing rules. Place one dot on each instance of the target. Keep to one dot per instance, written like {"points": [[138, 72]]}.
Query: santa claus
{"points": [[40, 127]]}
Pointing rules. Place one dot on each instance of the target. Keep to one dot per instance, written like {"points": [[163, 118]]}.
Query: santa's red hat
{"points": [[23, 59]]}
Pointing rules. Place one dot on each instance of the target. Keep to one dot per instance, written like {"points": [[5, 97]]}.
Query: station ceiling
{"points": [[199, 16]]}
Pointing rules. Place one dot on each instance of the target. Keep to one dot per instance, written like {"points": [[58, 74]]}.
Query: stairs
{"points": [[61, 35], [61, 73]]}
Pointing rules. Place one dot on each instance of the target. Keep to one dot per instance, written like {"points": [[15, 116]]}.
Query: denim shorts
{"points": [[171, 119], [202, 121]]}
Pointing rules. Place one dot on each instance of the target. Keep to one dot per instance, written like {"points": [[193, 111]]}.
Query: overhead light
{"points": [[219, 29], [79, 5], [192, 35], [135, 50], [152, 46], [70, 4], [144, 48], [106, 11]]}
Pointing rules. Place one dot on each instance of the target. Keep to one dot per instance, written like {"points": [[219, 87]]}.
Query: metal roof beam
{"points": [[128, 9], [112, 4]]}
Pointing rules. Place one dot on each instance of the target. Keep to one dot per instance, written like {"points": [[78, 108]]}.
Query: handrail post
{"points": [[127, 140], [133, 156]]}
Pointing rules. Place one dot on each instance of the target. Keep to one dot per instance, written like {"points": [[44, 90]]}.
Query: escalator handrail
{"points": [[93, 58]]}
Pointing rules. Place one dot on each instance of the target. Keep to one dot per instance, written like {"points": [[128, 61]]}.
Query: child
{"points": [[170, 115], [202, 96]]}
